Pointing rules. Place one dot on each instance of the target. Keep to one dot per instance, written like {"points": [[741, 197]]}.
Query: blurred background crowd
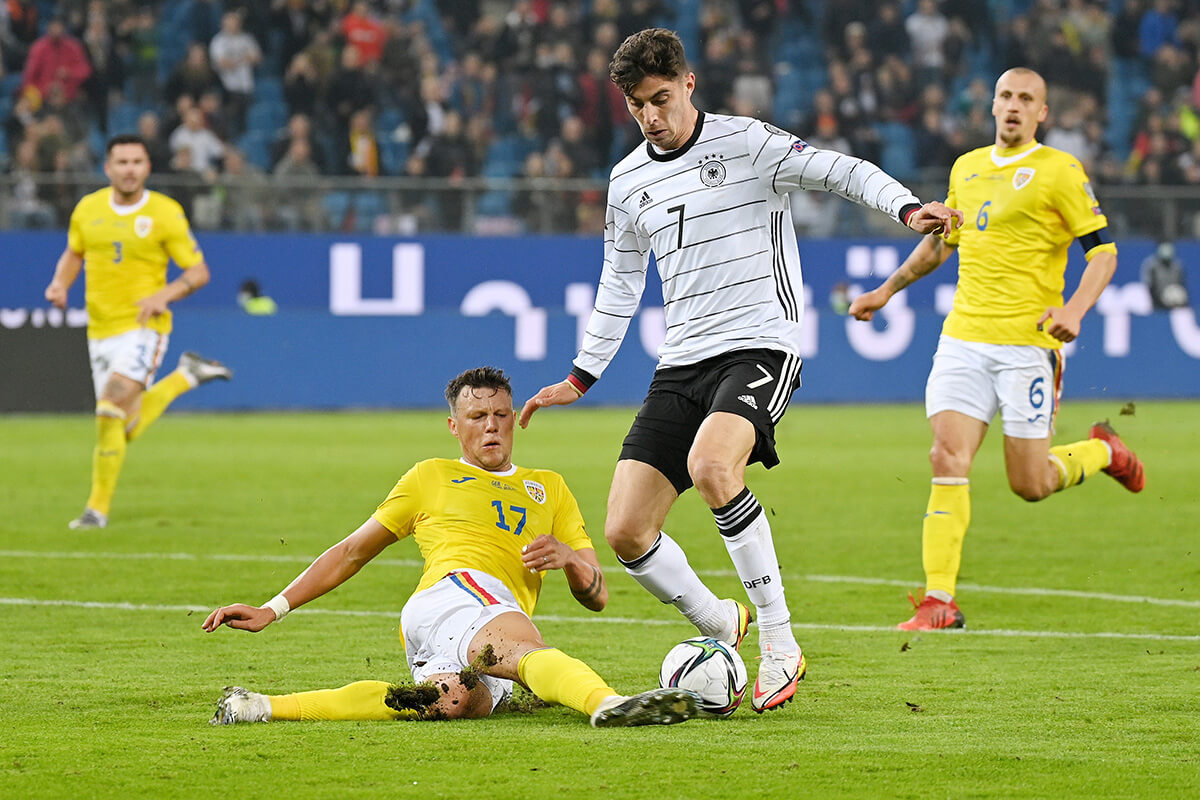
{"points": [[494, 116]]}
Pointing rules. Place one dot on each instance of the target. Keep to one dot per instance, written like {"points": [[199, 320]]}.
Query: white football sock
{"points": [[663, 570], [747, 533]]}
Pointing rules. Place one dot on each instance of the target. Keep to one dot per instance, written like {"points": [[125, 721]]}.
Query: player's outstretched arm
{"points": [[331, 569], [929, 254], [65, 272], [556, 394], [581, 567]]}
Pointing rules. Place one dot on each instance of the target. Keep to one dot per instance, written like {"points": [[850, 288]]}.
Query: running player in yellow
{"points": [[488, 530], [124, 236], [1000, 345]]}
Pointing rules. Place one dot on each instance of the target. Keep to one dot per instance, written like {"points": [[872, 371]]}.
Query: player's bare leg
{"points": [[956, 440], [1032, 475], [717, 465], [638, 504]]}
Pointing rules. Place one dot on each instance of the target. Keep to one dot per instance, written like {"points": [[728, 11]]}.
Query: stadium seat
{"points": [[368, 206], [337, 207], [256, 144], [268, 88], [898, 158], [267, 116], [494, 203], [123, 117], [10, 84]]}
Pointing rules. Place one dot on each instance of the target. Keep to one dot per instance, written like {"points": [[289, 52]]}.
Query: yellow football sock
{"points": [[358, 701], [155, 401], [555, 677], [108, 456], [946, 521], [1077, 460]]}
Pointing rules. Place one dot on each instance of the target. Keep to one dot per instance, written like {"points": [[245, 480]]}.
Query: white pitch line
{"points": [[1033, 591], [807, 626]]}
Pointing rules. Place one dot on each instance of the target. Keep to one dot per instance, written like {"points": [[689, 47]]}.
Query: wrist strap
{"points": [[280, 605]]}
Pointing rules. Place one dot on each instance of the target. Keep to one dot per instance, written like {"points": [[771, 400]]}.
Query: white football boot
{"points": [[240, 705]]}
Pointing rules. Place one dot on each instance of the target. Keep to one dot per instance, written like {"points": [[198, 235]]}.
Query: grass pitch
{"points": [[1078, 675]]}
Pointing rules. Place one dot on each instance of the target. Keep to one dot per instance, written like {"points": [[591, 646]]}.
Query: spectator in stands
{"points": [[74, 116], [23, 116], [350, 90], [245, 193], [298, 22], [928, 31], [137, 35], [51, 137], [585, 161], [1171, 68], [149, 128], [302, 209], [20, 32], [301, 88], [235, 54], [897, 95], [449, 155], [108, 69], [1066, 132], [886, 32], [25, 208], [57, 58], [1158, 26], [363, 151], [934, 149], [363, 32], [215, 119], [205, 150], [299, 128], [193, 76]]}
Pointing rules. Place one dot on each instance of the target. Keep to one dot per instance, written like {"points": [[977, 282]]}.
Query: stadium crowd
{"points": [[230, 93]]}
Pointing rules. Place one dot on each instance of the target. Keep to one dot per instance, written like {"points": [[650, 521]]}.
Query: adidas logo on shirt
{"points": [[749, 400], [645, 200]]}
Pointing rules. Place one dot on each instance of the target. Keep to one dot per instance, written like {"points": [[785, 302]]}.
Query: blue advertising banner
{"points": [[383, 322]]}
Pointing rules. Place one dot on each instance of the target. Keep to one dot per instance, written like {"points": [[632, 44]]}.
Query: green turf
{"points": [[107, 702]]}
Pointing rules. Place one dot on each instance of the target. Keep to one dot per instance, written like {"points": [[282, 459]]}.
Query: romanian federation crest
{"points": [[1022, 176], [536, 491], [712, 173], [142, 226]]}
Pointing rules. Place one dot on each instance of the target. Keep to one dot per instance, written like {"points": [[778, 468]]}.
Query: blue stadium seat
{"points": [[123, 118], [268, 88], [256, 144], [368, 206], [266, 115], [9, 84], [898, 158], [336, 206], [494, 203]]}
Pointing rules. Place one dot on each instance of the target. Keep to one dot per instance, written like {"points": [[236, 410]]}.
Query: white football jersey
{"points": [[715, 213]]}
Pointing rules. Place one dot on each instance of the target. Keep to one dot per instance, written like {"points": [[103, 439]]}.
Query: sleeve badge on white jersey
{"points": [[712, 173], [799, 145], [536, 492]]}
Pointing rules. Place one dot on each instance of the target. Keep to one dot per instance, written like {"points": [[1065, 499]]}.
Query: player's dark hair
{"points": [[654, 51], [478, 378], [125, 138]]}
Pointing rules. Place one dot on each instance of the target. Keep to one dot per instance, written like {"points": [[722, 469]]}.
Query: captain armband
{"points": [[1090, 241]]}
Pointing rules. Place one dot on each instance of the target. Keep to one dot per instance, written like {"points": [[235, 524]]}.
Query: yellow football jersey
{"points": [[125, 257], [1023, 207], [464, 517]]}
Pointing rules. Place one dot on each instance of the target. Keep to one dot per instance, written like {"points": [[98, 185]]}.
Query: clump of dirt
{"points": [[413, 702], [470, 675], [522, 701]]}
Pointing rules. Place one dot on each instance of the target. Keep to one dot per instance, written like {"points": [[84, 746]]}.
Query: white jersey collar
{"points": [[1004, 161], [501, 473], [129, 209]]}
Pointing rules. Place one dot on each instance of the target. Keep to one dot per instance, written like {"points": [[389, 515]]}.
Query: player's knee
{"points": [[949, 462], [714, 478], [1030, 491]]}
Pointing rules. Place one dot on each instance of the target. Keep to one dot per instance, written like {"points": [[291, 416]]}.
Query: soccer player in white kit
{"points": [[708, 195]]}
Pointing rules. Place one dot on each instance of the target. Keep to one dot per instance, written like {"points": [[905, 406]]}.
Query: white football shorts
{"points": [[439, 622], [135, 354], [1022, 382]]}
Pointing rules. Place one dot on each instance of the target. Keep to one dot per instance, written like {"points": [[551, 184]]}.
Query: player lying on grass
{"points": [[487, 530]]}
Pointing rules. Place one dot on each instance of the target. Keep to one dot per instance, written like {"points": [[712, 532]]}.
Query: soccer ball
{"points": [[710, 668]]}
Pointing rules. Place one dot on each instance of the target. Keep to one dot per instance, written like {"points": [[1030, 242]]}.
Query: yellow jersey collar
{"points": [[504, 473], [121, 210], [1002, 157]]}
